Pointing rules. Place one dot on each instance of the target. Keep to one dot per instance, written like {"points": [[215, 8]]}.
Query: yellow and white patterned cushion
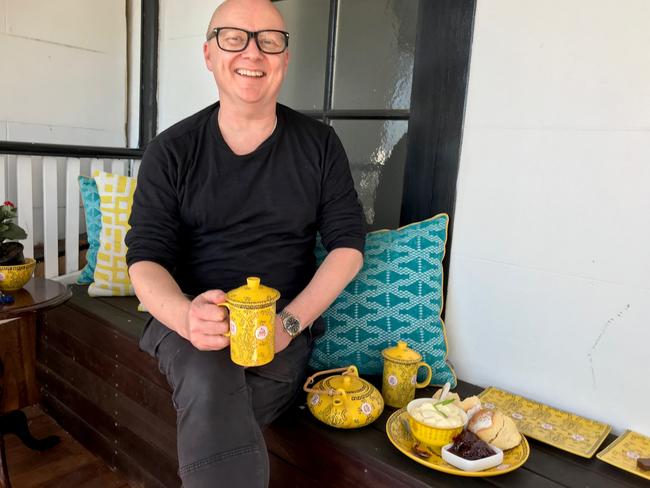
{"points": [[116, 199]]}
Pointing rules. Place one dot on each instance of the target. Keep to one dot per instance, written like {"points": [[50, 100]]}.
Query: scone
{"points": [[471, 405], [495, 428]]}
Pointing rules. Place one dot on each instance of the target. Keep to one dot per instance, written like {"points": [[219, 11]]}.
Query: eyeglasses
{"points": [[234, 40]]}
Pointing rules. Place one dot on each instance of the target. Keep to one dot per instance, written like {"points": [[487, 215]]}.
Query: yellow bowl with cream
{"points": [[435, 423]]}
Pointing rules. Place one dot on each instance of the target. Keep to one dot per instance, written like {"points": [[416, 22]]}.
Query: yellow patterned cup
{"points": [[399, 382], [434, 437], [252, 323]]}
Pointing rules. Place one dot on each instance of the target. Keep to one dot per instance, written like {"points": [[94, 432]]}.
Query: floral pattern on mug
{"points": [[261, 333]]}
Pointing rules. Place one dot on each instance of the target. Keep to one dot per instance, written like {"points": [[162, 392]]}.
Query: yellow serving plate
{"points": [[624, 452], [564, 430], [402, 440]]}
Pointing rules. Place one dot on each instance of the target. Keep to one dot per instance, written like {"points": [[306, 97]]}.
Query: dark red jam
{"points": [[468, 446]]}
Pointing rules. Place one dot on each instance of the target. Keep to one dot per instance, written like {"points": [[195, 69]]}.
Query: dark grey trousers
{"points": [[222, 407]]}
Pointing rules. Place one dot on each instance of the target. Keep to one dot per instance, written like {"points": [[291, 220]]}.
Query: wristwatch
{"points": [[290, 323]]}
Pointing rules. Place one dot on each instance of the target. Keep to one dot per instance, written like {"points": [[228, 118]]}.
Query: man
{"points": [[239, 189]]}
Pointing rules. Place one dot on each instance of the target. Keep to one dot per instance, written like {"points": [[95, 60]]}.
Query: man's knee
{"points": [[206, 378]]}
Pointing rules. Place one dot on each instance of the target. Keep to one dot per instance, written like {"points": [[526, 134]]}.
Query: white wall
{"points": [[134, 29], [63, 71], [184, 83], [549, 293]]}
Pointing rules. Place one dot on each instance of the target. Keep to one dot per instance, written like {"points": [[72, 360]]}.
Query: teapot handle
{"points": [[347, 370]]}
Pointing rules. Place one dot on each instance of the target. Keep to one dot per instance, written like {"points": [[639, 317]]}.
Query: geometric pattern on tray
{"points": [[116, 197], [624, 452], [558, 428], [397, 295]]}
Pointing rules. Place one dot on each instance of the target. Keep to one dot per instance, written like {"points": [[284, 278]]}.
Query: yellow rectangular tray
{"points": [[625, 450], [564, 430]]}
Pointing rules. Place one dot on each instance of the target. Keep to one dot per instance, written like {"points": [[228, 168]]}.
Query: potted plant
{"points": [[15, 270]]}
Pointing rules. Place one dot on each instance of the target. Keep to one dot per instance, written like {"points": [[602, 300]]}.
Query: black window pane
{"points": [[377, 152], [307, 23], [375, 46]]}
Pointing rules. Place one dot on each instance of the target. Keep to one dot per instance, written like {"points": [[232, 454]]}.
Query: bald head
{"points": [[249, 79], [232, 13]]}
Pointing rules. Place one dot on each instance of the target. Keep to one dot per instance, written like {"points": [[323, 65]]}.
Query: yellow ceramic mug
{"points": [[399, 382], [252, 323]]}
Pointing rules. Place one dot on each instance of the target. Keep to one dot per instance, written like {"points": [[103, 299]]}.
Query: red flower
{"points": [[9, 204]]}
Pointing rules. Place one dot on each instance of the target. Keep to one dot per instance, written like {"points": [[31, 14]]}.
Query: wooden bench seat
{"points": [[112, 398]]}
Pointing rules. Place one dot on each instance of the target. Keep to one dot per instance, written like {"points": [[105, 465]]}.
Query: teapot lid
{"points": [[401, 353], [253, 293], [349, 382]]}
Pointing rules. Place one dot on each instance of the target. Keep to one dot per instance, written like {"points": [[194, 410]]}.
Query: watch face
{"points": [[292, 325]]}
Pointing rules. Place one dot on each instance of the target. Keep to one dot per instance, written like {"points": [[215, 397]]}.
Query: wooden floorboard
{"points": [[67, 464]]}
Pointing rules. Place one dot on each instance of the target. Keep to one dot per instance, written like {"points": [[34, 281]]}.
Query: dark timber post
{"points": [[148, 72], [440, 75]]}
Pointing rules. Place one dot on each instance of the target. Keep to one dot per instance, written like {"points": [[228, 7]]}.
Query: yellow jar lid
{"points": [[402, 353], [253, 293]]}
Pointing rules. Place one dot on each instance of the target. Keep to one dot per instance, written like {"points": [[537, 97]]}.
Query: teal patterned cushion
{"points": [[396, 296], [90, 199]]}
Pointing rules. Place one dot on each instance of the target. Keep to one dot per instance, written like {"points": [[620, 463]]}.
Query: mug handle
{"points": [[227, 305], [427, 380]]}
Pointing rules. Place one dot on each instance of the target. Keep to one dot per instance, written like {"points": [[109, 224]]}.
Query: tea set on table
{"points": [[442, 432]]}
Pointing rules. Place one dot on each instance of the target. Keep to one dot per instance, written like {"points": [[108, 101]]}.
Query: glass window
{"points": [[307, 23], [377, 153], [375, 46], [372, 70]]}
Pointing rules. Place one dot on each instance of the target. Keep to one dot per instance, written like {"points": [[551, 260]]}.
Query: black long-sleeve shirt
{"points": [[212, 218]]}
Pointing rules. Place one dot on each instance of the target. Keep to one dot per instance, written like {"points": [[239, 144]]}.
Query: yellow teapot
{"points": [[344, 401]]}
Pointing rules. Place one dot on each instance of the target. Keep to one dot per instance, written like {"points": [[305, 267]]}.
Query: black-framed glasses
{"points": [[234, 40]]}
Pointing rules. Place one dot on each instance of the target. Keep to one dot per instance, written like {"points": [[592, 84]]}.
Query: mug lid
{"points": [[253, 293], [401, 352]]}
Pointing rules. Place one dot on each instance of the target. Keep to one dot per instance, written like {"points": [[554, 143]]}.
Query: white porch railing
{"points": [[41, 179]]}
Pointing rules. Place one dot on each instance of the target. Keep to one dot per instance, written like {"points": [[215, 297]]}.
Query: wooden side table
{"points": [[38, 295]]}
